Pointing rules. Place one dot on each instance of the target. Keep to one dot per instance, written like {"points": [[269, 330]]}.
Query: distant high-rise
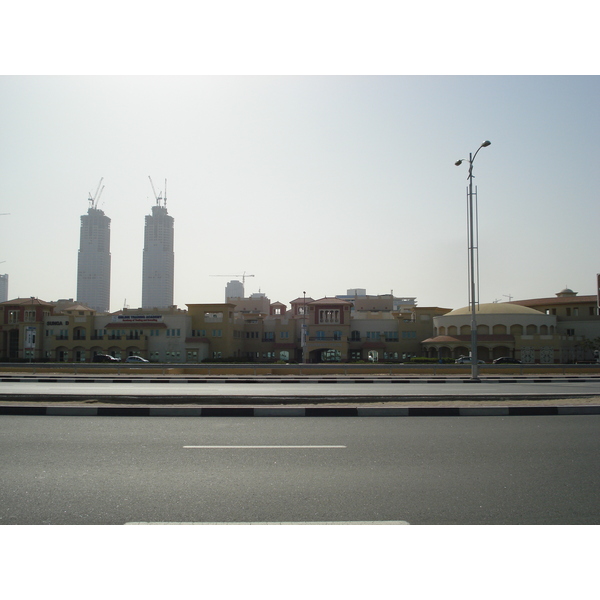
{"points": [[93, 264], [159, 259], [3, 288], [234, 289]]}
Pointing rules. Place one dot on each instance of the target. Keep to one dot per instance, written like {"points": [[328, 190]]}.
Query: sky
{"points": [[313, 180]]}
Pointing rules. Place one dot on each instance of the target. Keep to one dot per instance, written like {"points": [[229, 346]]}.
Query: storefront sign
{"points": [[132, 319]]}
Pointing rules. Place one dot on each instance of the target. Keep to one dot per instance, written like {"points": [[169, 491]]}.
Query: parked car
{"points": [[136, 359], [105, 358], [507, 360], [466, 360]]}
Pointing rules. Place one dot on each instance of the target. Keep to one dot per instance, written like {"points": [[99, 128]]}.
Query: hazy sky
{"points": [[315, 183]]}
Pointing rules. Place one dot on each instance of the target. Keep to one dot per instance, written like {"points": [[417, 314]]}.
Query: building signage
{"points": [[127, 319], [29, 338], [61, 323]]}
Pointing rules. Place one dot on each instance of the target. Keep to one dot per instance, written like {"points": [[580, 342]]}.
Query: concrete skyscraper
{"points": [[3, 288], [93, 264], [159, 259]]}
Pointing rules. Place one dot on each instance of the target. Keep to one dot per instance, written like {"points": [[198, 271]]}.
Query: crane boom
{"points": [[98, 198], [243, 276], [158, 198], [94, 199]]}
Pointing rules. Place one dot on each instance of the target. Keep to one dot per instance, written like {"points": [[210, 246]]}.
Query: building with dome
{"points": [[561, 329]]}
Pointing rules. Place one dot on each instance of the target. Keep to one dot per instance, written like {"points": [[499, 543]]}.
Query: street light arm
{"points": [[472, 158]]}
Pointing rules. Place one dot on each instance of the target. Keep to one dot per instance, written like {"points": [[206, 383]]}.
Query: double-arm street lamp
{"points": [[473, 261]]}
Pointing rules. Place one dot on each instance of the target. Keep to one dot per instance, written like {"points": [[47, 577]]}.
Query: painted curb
{"points": [[291, 380], [329, 411]]}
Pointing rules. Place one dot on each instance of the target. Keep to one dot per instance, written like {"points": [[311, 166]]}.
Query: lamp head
{"points": [[458, 162], [486, 144]]}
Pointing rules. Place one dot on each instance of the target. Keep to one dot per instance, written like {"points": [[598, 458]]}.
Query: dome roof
{"points": [[496, 308]]}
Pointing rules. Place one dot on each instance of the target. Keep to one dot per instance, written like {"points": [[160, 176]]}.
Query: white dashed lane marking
{"points": [[257, 447]]}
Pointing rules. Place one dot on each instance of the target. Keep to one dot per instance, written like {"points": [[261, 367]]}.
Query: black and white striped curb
{"points": [[316, 380], [297, 411]]}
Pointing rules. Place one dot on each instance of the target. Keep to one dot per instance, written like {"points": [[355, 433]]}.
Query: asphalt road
{"points": [[483, 470], [236, 389]]}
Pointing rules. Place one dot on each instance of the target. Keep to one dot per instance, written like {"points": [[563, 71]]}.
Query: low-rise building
{"points": [[22, 322], [562, 329]]}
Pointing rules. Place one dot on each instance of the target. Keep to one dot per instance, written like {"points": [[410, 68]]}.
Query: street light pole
{"points": [[303, 336], [473, 249]]}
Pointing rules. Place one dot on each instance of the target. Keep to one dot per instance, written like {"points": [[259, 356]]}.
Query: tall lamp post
{"points": [[303, 336], [473, 251]]}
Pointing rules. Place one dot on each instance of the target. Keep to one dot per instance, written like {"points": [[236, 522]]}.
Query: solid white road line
{"points": [[254, 447], [269, 523]]}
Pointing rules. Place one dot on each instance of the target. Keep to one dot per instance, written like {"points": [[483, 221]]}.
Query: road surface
{"points": [[484, 470], [188, 390]]}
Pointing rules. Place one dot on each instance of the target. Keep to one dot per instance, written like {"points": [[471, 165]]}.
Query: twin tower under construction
{"points": [[94, 261]]}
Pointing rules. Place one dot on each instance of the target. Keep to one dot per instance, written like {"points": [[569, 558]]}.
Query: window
{"points": [[570, 332], [391, 336], [13, 316], [373, 335], [269, 336], [213, 317], [409, 335], [355, 336], [320, 335], [329, 316], [30, 316], [284, 335], [217, 332], [337, 335]]}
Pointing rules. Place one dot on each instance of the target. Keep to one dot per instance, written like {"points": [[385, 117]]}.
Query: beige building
{"points": [[22, 328], [543, 330]]}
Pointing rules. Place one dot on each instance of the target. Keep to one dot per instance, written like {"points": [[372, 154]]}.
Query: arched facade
{"points": [[503, 329]]}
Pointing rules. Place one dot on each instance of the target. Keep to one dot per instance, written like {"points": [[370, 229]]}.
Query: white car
{"points": [[466, 360], [133, 359]]}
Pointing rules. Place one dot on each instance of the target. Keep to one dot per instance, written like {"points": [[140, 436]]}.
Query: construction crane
{"points": [[508, 296], [243, 276], [96, 197], [159, 197]]}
